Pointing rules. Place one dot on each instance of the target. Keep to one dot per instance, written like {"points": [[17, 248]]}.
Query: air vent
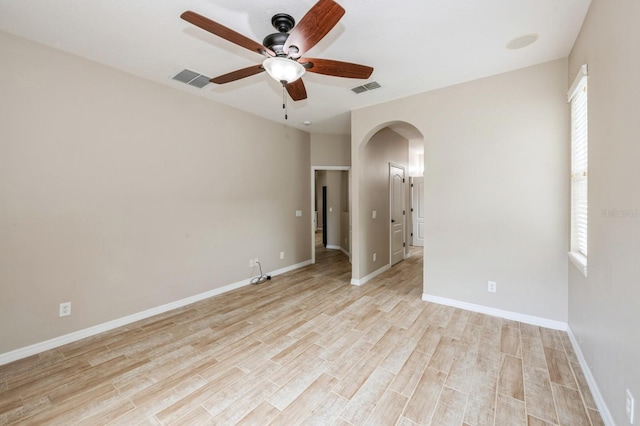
{"points": [[192, 78], [366, 87]]}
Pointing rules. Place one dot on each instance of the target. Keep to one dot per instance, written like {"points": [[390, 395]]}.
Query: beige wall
{"points": [[330, 150], [121, 195], [604, 308], [384, 147], [496, 197]]}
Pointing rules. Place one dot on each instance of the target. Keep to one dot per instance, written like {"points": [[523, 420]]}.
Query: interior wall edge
{"points": [[362, 281], [591, 381]]}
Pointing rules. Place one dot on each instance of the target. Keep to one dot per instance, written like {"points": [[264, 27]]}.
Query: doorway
{"points": [[366, 146], [330, 206]]}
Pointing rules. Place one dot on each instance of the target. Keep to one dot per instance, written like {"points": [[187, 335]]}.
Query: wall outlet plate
{"points": [[281, 255], [65, 309], [491, 286]]}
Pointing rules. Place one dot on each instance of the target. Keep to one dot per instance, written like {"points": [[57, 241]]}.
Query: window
{"points": [[579, 170]]}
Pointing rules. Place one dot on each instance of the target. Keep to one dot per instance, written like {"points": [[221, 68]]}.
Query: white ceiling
{"points": [[414, 45]]}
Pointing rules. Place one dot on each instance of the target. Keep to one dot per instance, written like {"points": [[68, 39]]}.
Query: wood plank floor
{"points": [[308, 348]]}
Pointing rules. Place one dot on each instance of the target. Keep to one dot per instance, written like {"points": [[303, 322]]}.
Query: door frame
{"points": [[415, 210], [404, 218], [313, 202]]}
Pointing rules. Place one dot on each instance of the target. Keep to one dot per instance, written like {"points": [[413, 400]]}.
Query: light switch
{"points": [[298, 213], [330, 209], [373, 214]]}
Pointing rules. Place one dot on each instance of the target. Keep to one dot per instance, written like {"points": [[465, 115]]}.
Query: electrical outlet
{"points": [[630, 407], [250, 263], [65, 309], [256, 261], [375, 256], [491, 287], [281, 255]]}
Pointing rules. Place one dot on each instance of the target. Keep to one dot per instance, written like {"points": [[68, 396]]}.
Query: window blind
{"points": [[579, 163]]}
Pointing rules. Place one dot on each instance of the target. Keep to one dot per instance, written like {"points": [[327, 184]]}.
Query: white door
{"points": [[417, 209], [396, 197]]}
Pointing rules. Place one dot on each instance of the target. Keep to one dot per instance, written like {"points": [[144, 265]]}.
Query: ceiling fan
{"points": [[284, 49]]}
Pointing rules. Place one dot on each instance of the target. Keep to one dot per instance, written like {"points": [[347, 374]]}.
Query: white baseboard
{"points": [[290, 268], [591, 381], [515, 316], [361, 281], [36, 348], [339, 248]]}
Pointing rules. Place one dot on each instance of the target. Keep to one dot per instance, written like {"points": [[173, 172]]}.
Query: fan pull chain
{"points": [[284, 102]]}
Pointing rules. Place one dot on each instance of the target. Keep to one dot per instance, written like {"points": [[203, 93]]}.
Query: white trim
{"points": [[342, 249], [515, 316], [339, 168], [591, 381], [583, 72], [361, 281], [579, 261], [290, 268], [36, 348]]}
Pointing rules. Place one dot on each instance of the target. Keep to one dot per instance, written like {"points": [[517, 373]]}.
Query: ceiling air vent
{"points": [[192, 78], [366, 87]]}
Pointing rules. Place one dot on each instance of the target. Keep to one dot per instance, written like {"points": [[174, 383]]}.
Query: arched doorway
{"points": [[385, 143]]}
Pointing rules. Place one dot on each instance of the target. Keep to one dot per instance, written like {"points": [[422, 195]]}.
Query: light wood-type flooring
{"points": [[308, 348]]}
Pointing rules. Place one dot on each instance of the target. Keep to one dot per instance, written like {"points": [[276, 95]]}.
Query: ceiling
{"points": [[413, 45]]}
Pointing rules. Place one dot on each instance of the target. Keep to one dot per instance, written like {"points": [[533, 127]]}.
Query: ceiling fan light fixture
{"points": [[283, 70]]}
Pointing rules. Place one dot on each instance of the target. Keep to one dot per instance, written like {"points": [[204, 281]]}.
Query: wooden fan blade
{"points": [[336, 68], [238, 74], [296, 90], [224, 32], [313, 26]]}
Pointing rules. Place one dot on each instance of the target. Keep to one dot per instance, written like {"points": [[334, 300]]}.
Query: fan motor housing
{"points": [[275, 42], [283, 23]]}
